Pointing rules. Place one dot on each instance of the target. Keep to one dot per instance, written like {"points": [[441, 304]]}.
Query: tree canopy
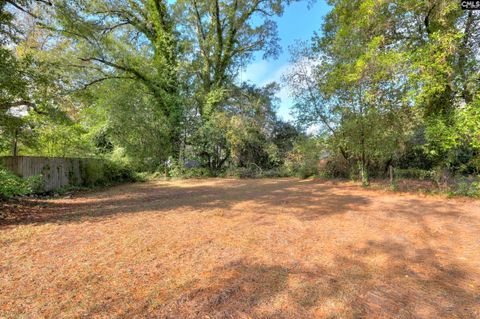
{"points": [[153, 82], [380, 71]]}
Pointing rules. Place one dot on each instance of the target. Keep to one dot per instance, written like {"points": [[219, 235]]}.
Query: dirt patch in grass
{"points": [[282, 248]]}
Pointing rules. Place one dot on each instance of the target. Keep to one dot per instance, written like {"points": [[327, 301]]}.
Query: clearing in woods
{"points": [[220, 248]]}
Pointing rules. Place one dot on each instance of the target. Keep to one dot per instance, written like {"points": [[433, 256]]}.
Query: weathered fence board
{"points": [[57, 172]]}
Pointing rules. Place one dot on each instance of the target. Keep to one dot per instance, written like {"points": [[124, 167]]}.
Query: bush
{"points": [[106, 172], [301, 166], [197, 172], [36, 184], [303, 160], [415, 173], [256, 172], [175, 169], [92, 174], [276, 172], [114, 172], [245, 172], [335, 167], [464, 186], [178, 170], [306, 171], [144, 176], [11, 185]]}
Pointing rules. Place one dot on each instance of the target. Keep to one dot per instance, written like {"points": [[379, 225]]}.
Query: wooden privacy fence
{"points": [[56, 171]]}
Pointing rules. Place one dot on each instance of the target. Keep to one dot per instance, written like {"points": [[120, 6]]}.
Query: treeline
{"points": [[393, 83], [146, 82], [154, 84]]}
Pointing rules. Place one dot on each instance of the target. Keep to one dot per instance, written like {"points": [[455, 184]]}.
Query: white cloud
{"points": [[255, 72], [276, 74], [264, 72]]}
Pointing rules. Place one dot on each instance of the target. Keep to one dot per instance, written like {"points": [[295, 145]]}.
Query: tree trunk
{"points": [[363, 173], [15, 143], [363, 169], [462, 59]]}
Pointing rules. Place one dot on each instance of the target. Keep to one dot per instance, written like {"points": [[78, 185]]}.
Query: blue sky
{"points": [[298, 22]]}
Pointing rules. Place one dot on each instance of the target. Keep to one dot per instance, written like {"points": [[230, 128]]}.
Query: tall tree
{"points": [[29, 90], [406, 61], [18, 76], [223, 36], [133, 41]]}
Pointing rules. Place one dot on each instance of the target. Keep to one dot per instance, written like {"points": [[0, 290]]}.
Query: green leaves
{"points": [[12, 185], [386, 69]]}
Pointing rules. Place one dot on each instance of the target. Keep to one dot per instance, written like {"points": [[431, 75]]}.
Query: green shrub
{"points": [[114, 172], [198, 172], [325, 174], [36, 184], [93, 173], [303, 160], [354, 173], [251, 171], [255, 172], [247, 172], [466, 187], [12, 185], [106, 172], [144, 176], [335, 167], [306, 171], [415, 173], [276, 172], [178, 170], [175, 169], [302, 168]]}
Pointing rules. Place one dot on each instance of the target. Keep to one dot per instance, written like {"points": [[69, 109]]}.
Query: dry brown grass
{"points": [[282, 248]]}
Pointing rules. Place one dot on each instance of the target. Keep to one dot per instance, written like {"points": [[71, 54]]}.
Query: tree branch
{"points": [[106, 78], [117, 66], [426, 20], [12, 3]]}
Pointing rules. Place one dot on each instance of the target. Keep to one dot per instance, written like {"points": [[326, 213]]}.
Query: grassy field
{"points": [[283, 248]]}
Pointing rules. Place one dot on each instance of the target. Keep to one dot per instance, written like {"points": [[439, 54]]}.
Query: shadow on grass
{"points": [[391, 278], [305, 199], [410, 283]]}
